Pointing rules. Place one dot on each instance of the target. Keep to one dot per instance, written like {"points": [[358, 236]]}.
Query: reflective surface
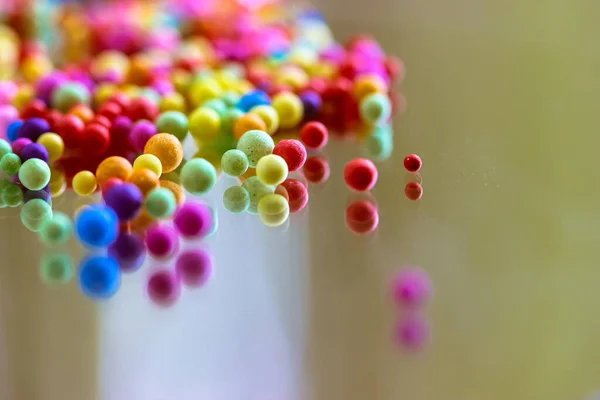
{"points": [[502, 108]]}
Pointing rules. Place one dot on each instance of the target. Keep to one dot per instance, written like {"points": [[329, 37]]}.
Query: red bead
{"points": [[102, 120], [96, 139], [318, 85], [395, 68], [35, 109], [53, 117], [109, 183], [293, 152], [110, 110], [119, 98], [360, 174], [316, 170], [297, 194], [142, 108], [413, 191], [70, 129], [362, 217], [412, 163], [314, 135]]}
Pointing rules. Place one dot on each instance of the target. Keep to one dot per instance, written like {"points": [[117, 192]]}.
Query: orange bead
{"points": [[83, 112], [144, 179], [248, 122], [113, 167], [141, 222], [176, 189], [167, 148]]}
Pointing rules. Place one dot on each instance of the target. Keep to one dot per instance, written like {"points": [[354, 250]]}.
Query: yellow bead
{"points": [[271, 170], [53, 144], [294, 77], [148, 161], [273, 209], [269, 117], [243, 87], [57, 184], [204, 124], [204, 90], [34, 67], [132, 91], [181, 80], [24, 95], [366, 85], [172, 102], [103, 92], [289, 109], [84, 183]]}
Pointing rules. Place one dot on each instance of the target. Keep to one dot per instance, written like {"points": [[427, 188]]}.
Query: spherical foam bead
{"points": [[163, 288], [216, 104], [110, 182], [142, 108], [193, 220], [129, 251], [140, 134], [34, 150], [144, 179], [236, 199], [12, 195], [375, 109], [83, 112], [360, 174], [99, 277], [35, 213], [314, 135], [167, 148], [125, 199], [96, 226], [297, 194], [204, 90], [5, 148], [172, 102], [257, 190], [362, 217], [150, 162], [10, 164], [160, 203], [194, 267], [161, 241], [412, 163], [34, 174], [173, 122], [53, 144], [95, 139], [198, 176], [204, 124], [234, 162], [271, 170], [56, 268], [19, 144], [13, 129], [113, 167], [293, 152], [412, 331], [316, 170], [229, 119], [411, 287], [273, 210], [366, 85], [84, 183], [253, 99], [269, 116], [56, 231], [289, 109], [70, 128], [69, 95], [413, 191], [256, 144], [246, 123], [311, 102], [33, 128], [175, 188]]}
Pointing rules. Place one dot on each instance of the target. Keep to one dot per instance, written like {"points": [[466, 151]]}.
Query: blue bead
{"points": [[253, 99], [99, 276], [97, 226], [12, 130]]}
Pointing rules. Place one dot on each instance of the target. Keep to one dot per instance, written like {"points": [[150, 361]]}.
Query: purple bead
{"points": [[36, 194], [162, 241], [163, 288], [193, 220], [125, 199], [411, 287], [46, 85], [34, 150], [33, 128], [129, 251], [194, 267], [121, 127], [140, 134], [312, 103]]}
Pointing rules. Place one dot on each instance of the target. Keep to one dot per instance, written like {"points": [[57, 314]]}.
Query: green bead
{"points": [[379, 145], [150, 94], [160, 203], [10, 164], [35, 213], [234, 162], [228, 120], [34, 174], [69, 95], [5, 148], [198, 176], [236, 199], [257, 190], [56, 268], [173, 122], [230, 99], [56, 231], [256, 144], [3, 183], [12, 195], [375, 108], [216, 104]]}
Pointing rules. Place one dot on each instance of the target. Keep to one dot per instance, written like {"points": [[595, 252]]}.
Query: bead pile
{"points": [[147, 109]]}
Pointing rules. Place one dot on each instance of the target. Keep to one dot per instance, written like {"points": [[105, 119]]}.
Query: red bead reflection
{"points": [[316, 169], [362, 217]]}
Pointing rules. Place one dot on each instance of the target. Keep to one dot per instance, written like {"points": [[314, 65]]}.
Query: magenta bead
{"points": [[161, 241], [19, 144], [163, 288], [194, 267], [193, 220], [411, 287], [412, 331], [140, 134]]}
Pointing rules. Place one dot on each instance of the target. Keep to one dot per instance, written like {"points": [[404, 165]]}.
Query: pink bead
{"points": [[162, 241], [411, 287], [194, 267], [19, 145], [163, 288], [8, 90], [412, 331], [193, 220], [8, 114]]}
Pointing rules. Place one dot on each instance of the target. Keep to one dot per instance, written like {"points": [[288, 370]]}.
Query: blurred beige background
{"points": [[502, 107]]}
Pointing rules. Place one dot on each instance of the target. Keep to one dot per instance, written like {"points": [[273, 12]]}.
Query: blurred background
{"points": [[501, 104]]}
